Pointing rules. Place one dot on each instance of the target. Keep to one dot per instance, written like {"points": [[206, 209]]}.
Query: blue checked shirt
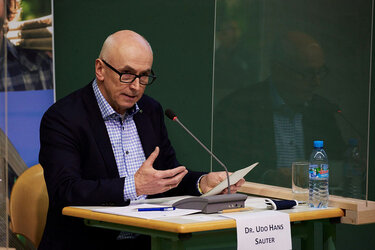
{"points": [[125, 141], [26, 69], [288, 129]]}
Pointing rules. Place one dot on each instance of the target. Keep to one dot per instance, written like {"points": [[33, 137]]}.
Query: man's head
{"points": [[8, 10], [2, 15], [298, 66], [127, 52], [229, 35]]}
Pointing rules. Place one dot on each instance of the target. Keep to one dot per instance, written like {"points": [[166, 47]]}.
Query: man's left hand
{"points": [[212, 179]]}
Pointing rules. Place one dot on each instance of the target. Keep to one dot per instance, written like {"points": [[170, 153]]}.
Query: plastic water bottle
{"points": [[318, 177], [354, 181]]}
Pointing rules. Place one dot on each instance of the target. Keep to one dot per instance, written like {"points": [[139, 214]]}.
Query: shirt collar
{"points": [[106, 110], [279, 104], [11, 48], [277, 100]]}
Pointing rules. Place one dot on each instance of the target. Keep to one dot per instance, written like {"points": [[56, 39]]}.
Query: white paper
{"points": [[132, 211], [262, 230], [233, 179]]}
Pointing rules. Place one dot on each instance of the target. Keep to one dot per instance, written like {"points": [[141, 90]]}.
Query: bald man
{"points": [[107, 144], [277, 120]]}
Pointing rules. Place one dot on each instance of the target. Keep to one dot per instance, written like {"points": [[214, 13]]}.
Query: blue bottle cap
{"points": [[318, 144]]}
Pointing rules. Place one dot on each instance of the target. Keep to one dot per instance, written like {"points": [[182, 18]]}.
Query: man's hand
{"points": [[212, 179], [151, 181]]}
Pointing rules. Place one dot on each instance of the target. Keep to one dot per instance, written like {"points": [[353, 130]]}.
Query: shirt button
{"points": [[127, 152]]}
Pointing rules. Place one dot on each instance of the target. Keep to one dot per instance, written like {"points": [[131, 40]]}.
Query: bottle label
{"points": [[316, 172]]}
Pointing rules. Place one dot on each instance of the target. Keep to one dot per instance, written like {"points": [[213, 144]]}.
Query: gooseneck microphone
{"points": [[351, 125], [213, 203], [171, 115]]}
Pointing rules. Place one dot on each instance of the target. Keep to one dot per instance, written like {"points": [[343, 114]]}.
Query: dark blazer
{"points": [[80, 168]]}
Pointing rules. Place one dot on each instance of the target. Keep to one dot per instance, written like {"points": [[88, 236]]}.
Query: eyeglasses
{"points": [[311, 74], [129, 77]]}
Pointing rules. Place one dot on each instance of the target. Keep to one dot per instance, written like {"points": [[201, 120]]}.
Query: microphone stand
{"points": [[208, 151], [214, 203]]}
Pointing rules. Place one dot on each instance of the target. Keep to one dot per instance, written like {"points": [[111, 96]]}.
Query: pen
{"points": [[145, 209]]}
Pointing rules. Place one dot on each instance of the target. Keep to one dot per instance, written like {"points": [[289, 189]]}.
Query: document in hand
{"points": [[233, 178], [210, 202]]}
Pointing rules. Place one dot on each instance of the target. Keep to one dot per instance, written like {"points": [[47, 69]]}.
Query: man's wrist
{"points": [[130, 191], [198, 184]]}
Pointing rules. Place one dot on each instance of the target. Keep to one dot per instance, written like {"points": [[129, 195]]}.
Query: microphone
{"points": [[335, 109], [214, 203], [171, 115], [351, 125]]}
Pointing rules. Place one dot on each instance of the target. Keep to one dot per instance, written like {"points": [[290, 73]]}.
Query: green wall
{"points": [[181, 35]]}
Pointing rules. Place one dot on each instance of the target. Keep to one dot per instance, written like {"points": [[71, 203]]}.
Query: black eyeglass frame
{"points": [[321, 73], [152, 76]]}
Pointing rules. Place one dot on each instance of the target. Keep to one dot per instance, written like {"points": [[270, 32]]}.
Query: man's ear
{"points": [[99, 70]]}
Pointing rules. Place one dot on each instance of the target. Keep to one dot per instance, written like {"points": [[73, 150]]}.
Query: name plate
{"points": [[262, 230]]}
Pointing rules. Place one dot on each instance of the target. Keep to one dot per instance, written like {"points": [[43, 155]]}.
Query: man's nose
{"points": [[135, 85]]}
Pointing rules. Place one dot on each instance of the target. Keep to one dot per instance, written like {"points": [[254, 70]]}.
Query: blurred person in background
{"points": [[275, 121], [22, 69]]}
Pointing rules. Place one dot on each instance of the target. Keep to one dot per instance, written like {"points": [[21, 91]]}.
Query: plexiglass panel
{"points": [[288, 73], [26, 91], [4, 236]]}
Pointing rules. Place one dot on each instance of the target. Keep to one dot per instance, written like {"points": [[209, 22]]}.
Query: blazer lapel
{"points": [[145, 132], [99, 131]]}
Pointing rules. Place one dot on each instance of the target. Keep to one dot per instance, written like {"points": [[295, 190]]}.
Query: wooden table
{"points": [[184, 233]]}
